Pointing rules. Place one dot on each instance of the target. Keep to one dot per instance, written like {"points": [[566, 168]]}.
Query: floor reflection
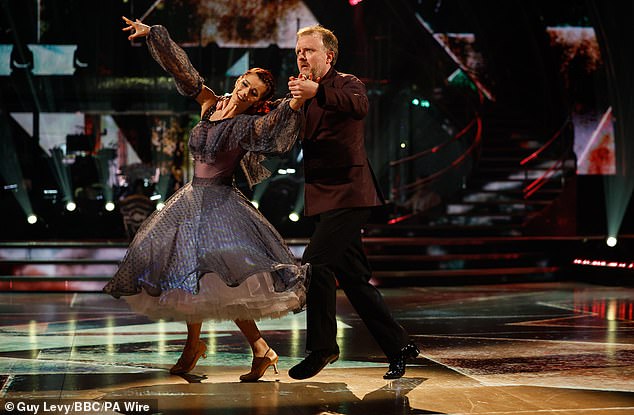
{"points": [[299, 398], [512, 349]]}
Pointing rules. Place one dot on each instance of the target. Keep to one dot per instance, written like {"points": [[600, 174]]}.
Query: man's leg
{"points": [[321, 304], [333, 234], [353, 272]]}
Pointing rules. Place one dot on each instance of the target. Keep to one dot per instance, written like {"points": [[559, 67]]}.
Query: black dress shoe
{"points": [[313, 363], [397, 362]]}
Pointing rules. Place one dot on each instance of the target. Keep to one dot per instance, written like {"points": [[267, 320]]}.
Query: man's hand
{"points": [[138, 29], [302, 87]]}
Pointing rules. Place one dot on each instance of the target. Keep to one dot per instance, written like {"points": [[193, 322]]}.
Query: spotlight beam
{"points": [[259, 190], [61, 173], [11, 170], [618, 192], [299, 201], [103, 170]]}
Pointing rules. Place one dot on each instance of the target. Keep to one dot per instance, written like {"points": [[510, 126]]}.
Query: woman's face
{"points": [[248, 90]]}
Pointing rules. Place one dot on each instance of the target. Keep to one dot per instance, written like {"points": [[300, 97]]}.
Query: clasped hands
{"points": [[303, 87]]}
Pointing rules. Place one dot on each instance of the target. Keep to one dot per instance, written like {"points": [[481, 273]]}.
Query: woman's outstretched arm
{"points": [[172, 59]]}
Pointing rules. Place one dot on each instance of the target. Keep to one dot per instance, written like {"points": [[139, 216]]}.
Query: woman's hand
{"points": [[302, 89], [139, 29], [296, 103]]}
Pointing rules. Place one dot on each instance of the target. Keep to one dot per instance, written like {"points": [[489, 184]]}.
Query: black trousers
{"points": [[335, 251]]}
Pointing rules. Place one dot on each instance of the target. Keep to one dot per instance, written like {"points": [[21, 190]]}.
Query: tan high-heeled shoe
{"points": [[259, 366], [189, 358]]}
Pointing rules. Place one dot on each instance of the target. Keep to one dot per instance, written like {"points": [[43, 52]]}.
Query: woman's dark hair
{"points": [[262, 106]]}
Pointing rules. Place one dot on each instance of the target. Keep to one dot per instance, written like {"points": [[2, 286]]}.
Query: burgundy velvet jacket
{"points": [[336, 168]]}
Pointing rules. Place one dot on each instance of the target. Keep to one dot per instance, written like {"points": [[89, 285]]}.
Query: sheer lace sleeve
{"points": [[272, 134], [174, 60]]}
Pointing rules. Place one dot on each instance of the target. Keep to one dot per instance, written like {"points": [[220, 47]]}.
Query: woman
{"points": [[209, 254]]}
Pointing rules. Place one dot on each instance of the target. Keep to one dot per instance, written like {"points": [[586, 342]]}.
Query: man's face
{"points": [[312, 57]]}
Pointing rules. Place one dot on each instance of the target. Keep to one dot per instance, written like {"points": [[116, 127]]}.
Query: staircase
{"points": [[485, 232]]}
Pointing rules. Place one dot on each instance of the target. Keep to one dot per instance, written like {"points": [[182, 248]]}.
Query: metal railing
{"points": [[558, 165], [400, 191]]}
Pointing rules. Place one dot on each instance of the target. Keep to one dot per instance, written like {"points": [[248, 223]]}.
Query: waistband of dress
{"points": [[212, 181]]}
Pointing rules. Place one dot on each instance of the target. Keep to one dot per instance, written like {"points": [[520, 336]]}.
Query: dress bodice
{"points": [[221, 145], [224, 165]]}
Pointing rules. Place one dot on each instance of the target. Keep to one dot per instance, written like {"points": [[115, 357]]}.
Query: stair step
{"points": [[519, 192], [451, 257], [505, 148], [494, 174], [465, 272], [497, 202], [33, 278], [504, 158], [471, 231], [70, 261]]}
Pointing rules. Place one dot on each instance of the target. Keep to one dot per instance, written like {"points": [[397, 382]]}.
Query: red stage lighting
{"points": [[354, 2]]}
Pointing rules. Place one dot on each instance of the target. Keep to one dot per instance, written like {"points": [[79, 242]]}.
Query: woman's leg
{"points": [[263, 355], [193, 334], [251, 332], [194, 349]]}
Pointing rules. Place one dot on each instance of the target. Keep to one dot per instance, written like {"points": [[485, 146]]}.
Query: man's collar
{"points": [[330, 74]]}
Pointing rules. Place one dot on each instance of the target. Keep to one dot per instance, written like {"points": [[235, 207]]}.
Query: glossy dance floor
{"points": [[555, 348]]}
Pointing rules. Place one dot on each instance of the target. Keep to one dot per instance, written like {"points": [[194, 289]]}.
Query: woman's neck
{"points": [[224, 113]]}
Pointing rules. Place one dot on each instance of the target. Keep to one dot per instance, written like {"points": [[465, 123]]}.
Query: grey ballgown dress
{"points": [[209, 254]]}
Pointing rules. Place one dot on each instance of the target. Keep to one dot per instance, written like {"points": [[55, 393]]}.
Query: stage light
{"points": [[160, 205], [32, 219], [255, 203], [603, 263], [354, 2], [421, 103], [71, 206], [109, 206], [403, 145], [611, 241], [155, 197], [299, 205]]}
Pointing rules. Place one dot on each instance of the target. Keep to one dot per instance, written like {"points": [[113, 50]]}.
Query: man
{"points": [[340, 192]]}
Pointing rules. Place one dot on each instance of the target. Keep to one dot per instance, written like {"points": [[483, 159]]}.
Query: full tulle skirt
{"points": [[209, 255]]}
